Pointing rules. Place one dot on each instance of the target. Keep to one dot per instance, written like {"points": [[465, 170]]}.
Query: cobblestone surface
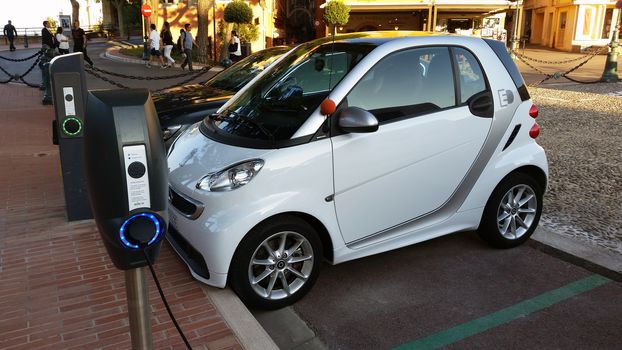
{"points": [[582, 134]]}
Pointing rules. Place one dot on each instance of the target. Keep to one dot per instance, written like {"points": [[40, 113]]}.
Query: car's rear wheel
{"points": [[277, 263], [512, 212]]}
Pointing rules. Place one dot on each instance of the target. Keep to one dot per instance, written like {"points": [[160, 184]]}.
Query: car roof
{"points": [[375, 38]]}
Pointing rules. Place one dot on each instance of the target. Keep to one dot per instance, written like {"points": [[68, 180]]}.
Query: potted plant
{"points": [[240, 14], [336, 13]]}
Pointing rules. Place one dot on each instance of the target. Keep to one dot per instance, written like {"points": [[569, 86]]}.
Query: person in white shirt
{"points": [[235, 50], [154, 41], [63, 41]]}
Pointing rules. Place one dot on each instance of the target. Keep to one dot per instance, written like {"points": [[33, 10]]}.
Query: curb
{"points": [[112, 53], [584, 254], [245, 327]]}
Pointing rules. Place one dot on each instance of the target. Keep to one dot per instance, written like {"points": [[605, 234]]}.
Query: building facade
{"points": [[570, 25]]}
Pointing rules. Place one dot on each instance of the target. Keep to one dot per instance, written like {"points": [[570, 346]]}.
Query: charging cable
{"points": [[170, 313]]}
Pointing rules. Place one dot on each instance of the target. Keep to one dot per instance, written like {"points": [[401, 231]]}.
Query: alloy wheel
{"points": [[517, 211], [281, 265]]}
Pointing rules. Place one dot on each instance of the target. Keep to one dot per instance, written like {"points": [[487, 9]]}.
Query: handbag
{"points": [[233, 47]]}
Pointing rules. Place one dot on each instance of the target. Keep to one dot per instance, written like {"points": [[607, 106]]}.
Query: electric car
{"points": [[352, 146]]}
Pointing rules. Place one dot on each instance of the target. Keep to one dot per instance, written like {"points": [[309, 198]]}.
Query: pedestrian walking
{"points": [[167, 41], [187, 42], [10, 33], [63, 41], [154, 42], [80, 41], [235, 50], [47, 38]]}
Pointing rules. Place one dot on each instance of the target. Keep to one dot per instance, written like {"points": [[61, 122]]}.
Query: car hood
{"points": [[193, 156], [188, 97]]}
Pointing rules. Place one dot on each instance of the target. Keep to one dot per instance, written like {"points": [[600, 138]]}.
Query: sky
{"points": [[31, 13]]}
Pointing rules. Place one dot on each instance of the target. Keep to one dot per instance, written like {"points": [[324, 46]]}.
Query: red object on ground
{"points": [[534, 131], [146, 10], [328, 107]]}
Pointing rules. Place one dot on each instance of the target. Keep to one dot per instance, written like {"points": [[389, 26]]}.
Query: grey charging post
{"points": [[69, 95], [127, 174]]}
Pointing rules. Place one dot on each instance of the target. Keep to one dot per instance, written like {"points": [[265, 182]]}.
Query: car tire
{"points": [[277, 263], [512, 212]]}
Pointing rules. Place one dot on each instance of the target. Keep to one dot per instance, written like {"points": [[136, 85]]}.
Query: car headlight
{"points": [[231, 178], [169, 131]]}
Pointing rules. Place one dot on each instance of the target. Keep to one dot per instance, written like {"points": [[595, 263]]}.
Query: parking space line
{"points": [[506, 315]]}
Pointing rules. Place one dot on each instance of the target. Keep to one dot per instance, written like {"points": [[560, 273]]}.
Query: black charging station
{"points": [[69, 95], [126, 174]]}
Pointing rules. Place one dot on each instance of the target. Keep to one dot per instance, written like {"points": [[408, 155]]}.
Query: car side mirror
{"points": [[357, 120]]}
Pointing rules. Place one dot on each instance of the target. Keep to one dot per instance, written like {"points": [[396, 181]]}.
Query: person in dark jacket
{"points": [[47, 38], [167, 42], [79, 41], [10, 33]]}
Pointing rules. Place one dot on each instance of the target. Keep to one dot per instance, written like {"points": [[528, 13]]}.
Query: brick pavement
{"points": [[58, 288]]}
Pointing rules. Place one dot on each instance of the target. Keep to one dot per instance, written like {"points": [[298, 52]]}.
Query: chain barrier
{"points": [[184, 82], [591, 51], [558, 75], [194, 75], [92, 72], [38, 53], [119, 75], [18, 77]]}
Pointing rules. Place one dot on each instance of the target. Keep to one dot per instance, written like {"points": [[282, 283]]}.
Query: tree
{"points": [[336, 13], [238, 12], [75, 10], [203, 7], [118, 4]]}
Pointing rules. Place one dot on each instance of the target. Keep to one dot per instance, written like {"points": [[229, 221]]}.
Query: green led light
{"points": [[72, 133]]}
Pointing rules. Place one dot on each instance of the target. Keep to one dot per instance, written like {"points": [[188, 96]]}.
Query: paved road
{"points": [[94, 52], [456, 292]]}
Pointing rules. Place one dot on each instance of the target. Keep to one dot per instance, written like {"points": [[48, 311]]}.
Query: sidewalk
{"points": [[59, 289], [590, 71]]}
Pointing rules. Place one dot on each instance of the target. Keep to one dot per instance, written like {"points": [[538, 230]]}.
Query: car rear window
{"points": [[499, 48]]}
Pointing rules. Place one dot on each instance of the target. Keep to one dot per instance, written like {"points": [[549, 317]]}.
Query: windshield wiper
{"points": [[235, 116]]}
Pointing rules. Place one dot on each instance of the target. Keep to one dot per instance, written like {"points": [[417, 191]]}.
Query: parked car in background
{"points": [[355, 146], [189, 104]]}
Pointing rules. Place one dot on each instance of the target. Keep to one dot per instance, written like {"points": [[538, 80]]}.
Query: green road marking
{"points": [[506, 315]]}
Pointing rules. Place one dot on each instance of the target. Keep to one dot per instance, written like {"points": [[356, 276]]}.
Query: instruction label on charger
{"points": [[137, 177], [69, 98]]}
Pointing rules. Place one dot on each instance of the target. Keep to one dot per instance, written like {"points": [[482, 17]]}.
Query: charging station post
{"points": [[69, 95], [126, 174]]}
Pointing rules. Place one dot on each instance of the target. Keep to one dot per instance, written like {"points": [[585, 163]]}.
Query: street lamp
{"points": [[514, 40], [610, 73]]}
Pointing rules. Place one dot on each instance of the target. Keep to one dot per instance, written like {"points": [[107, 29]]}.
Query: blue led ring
{"points": [[152, 217]]}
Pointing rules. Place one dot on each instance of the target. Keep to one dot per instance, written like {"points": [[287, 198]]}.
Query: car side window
{"points": [[472, 79], [406, 83]]}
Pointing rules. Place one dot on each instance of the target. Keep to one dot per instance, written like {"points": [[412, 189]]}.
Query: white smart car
{"points": [[350, 147]]}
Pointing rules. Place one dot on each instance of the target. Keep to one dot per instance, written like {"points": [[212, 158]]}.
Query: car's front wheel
{"points": [[277, 263], [512, 212]]}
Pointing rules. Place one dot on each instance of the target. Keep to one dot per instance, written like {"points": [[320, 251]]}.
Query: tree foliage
{"points": [[238, 12], [248, 32], [336, 13]]}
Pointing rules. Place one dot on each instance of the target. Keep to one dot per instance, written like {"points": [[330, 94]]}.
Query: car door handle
{"points": [[481, 105]]}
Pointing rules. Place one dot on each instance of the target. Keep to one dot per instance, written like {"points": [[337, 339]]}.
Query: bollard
{"points": [[610, 73], [46, 85]]}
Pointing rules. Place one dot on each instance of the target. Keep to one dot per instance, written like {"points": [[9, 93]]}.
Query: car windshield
{"points": [[277, 104], [238, 75]]}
